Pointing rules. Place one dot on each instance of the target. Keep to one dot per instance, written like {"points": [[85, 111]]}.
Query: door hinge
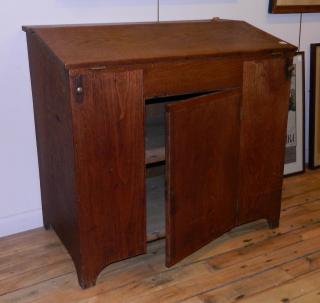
{"points": [[79, 88]]}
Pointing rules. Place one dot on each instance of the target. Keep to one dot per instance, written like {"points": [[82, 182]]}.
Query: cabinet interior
{"points": [[155, 197]]}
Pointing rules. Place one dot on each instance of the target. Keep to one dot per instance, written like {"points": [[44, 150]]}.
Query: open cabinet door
{"points": [[201, 170]]}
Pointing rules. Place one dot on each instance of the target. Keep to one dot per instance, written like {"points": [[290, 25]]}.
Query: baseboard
{"points": [[20, 222]]}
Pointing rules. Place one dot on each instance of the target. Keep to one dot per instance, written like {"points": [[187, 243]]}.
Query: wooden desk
{"points": [[117, 107]]}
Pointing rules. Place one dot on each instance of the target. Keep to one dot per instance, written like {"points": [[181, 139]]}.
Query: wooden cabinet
{"points": [[155, 130]]}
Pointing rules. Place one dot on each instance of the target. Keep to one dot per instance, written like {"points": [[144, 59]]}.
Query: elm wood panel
{"points": [[263, 131], [202, 171], [155, 125], [110, 171], [87, 45], [155, 122], [53, 122], [189, 76], [186, 77]]}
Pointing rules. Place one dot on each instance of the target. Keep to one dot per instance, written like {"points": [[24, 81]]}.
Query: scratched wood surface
{"points": [[83, 45], [249, 264]]}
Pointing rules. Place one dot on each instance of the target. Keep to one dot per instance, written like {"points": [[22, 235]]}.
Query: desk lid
{"points": [[87, 45]]}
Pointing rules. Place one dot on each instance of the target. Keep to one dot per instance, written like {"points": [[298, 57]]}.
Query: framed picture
{"points": [[314, 117], [294, 153], [294, 6]]}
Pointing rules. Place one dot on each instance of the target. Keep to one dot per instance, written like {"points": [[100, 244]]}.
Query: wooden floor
{"points": [[250, 264]]}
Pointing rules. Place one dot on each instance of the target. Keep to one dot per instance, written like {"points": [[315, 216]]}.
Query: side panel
{"points": [[202, 171], [108, 121], [263, 131], [53, 123]]}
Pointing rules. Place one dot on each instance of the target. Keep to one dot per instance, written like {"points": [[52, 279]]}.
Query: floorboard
{"points": [[249, 264]]}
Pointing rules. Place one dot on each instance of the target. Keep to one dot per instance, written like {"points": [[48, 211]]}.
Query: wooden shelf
{"points": [[155, 143], [155, 208], [155, 125]]}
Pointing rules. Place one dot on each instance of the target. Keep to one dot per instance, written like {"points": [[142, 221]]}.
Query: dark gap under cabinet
{"points": [[154, 130]]}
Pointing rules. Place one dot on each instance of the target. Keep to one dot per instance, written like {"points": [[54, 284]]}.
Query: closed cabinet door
{"points": [[263, 132], [108, 124], [202, 156]]}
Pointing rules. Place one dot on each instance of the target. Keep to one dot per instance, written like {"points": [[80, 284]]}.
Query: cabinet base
{"points": [[88, 279], [273, 223], [86, 282]]}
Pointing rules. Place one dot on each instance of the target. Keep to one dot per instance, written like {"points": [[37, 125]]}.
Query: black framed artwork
{"points": [[314, 134], [294, 152], [294, 6]]}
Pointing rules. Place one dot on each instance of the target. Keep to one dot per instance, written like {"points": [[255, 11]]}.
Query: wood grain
{"points": [[191, 76], [263, 127], [53, 124], [87, 45], [108, 129], [90, 84], [252, 263], [202, 176]]}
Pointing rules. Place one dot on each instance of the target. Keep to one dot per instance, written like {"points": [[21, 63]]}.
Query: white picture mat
{"points": [[298, 165]]}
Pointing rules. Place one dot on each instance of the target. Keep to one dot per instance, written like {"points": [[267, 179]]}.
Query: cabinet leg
{"points": [[273, 222], [46, 226], [86, 282], [45, 216], [87, 278]]}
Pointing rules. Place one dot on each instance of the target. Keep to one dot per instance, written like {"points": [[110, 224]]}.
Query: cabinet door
{"points": [[108, 123], [263, 131], [202, 171]]}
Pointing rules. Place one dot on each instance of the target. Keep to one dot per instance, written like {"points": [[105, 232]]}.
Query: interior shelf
{"points": [[155, 207], [155, 143], [155, 125]]}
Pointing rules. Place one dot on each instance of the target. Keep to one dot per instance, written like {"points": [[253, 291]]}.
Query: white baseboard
{"points": [[20, 222]]}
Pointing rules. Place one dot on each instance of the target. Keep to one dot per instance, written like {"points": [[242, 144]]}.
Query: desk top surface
{"points": [[89, 45]]}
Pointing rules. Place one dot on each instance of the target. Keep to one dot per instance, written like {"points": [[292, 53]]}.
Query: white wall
{"points": [[20, 206]]}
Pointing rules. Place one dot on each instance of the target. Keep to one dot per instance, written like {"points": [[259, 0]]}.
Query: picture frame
{"points": [[295, 144], [294, 6], [314, 114]]}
